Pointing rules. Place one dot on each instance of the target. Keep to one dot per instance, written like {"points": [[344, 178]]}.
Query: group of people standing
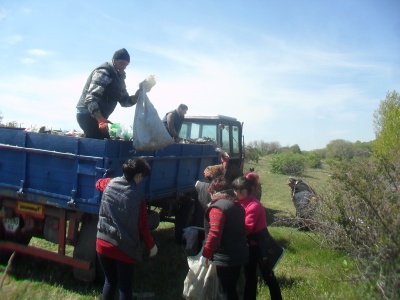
{"points": [[234, 217], [105, 88], [232, 220]]}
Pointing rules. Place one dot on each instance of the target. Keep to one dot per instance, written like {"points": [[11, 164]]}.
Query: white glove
{"points": [[148, 83], [204, 261], [153, 251]]}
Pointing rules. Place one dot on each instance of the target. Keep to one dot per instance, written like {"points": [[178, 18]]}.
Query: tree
{"points": [[340, 149], [362, 149], [274, 147], [360, 210], [295, 149], [12, 124], [386, 126], [252, 154]]}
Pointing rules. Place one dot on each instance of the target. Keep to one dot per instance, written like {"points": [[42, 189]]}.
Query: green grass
{"points": [[276, 195], [308, 270]]}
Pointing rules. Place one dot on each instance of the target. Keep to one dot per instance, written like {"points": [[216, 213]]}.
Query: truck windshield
{"points": [[195, 131], [225, 135]]}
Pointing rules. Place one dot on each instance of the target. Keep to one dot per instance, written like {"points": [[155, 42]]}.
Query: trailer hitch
{"points": [[108, 172], [21, 192], [72, 202]]}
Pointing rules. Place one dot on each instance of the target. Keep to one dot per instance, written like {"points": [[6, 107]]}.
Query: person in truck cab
{"points": [[104, 89], [122, 228], [173, 121]]}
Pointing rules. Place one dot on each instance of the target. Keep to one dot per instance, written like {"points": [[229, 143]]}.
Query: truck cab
{"points": [[225, 132]]}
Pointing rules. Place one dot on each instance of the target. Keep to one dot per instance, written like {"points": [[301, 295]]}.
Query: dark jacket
{"points": [[202, 193], [201, 202], [103, 90], [119, 216], [233, 250], [178, 120]]}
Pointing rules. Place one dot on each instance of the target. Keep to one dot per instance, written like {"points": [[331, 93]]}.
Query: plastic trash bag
{"points": [[190, 236], [201, 283], [149, 132], [270, 251]]}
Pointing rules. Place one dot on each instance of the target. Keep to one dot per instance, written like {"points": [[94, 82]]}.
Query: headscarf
{"points": [[214, 171]]}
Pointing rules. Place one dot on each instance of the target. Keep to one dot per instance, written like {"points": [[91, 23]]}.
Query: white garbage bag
{"points": [[149, 132], [201, 283]]}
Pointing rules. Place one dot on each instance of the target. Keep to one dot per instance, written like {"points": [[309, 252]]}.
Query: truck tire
{"points": [[183, 218], [85, 249], [16, 238], [154, 219], [4, 254]]}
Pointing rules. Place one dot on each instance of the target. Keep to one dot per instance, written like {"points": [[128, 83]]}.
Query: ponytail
{"points": [[254, 178], [248, 182]]}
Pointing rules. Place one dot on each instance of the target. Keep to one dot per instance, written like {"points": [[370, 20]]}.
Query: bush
{"points": [[252, 154], [313, 161], [288, 164], [361, 211]]}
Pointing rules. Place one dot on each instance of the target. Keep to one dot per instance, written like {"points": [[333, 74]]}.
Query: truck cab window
{"points": [[185, 131], [225, 139], [235, 139], [209, 131], [195, 131]]}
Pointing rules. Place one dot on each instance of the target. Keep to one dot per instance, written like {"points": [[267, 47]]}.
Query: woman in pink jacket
{"points": [[255, 223]]}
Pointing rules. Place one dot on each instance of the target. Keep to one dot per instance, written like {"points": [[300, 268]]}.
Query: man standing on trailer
{"points": [[104, 89], [173, 121]]}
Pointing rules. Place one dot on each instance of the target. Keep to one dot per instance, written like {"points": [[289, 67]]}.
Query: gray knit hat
{"points": [[122, 54]]}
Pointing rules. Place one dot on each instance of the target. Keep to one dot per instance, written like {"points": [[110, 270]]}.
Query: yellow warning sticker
{"points": [[36, 210]]}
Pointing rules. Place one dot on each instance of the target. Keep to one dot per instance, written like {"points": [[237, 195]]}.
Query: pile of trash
{"points": [[44, 129], [120, 132], [203, 140], [116, 130]]}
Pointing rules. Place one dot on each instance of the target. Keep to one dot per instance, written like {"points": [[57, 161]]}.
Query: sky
{"points": [[303, 72]]}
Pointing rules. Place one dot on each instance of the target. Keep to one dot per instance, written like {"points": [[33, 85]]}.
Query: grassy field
{"points": [[309, 269]]}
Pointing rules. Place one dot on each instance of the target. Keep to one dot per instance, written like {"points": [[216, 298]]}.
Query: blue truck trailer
{"points": [[47, 185]]}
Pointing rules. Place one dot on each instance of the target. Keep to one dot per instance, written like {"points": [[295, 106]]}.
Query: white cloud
{"points": [[3, 13], [38, 52], [26, 10], [40, 102], [28, 61], [34, 56], [12, 40]]}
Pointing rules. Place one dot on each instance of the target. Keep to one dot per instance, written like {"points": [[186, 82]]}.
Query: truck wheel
{"points": [[4, 254], [16, 237], [85, 249], [154, 219], [183, 218]]}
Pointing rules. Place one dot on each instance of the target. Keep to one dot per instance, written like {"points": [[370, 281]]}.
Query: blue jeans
{"points": [[118, 274]]}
